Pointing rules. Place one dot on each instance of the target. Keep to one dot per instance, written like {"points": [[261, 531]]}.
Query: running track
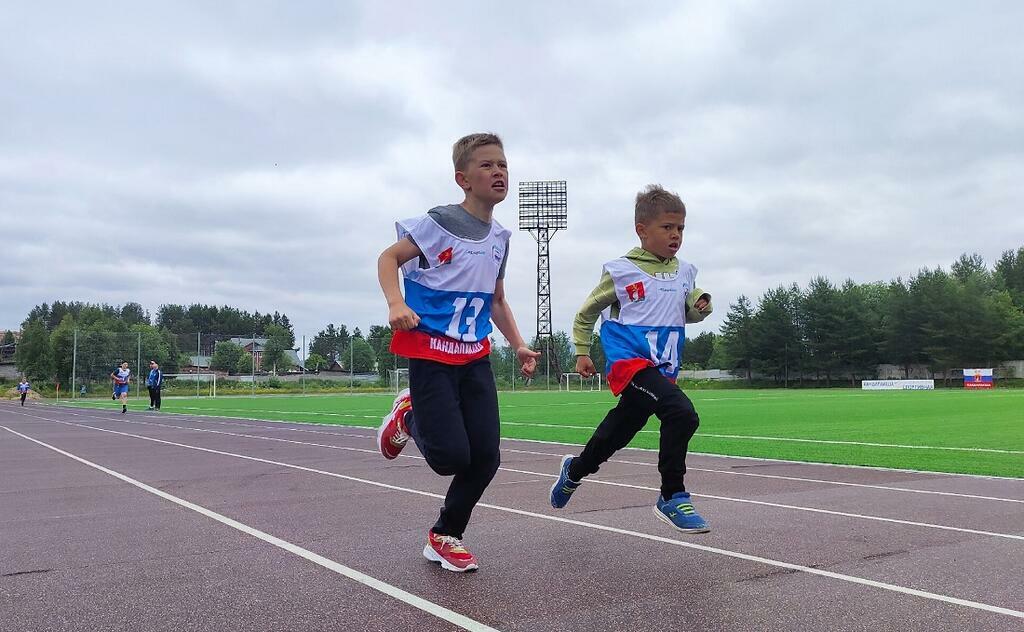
{"points": [[173, 522]]}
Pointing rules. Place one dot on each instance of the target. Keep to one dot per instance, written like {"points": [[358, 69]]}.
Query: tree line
{"points": [[968, 316], [88, 339]]}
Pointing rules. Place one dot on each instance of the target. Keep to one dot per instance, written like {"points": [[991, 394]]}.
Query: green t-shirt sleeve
{"points": [[583, 325]]}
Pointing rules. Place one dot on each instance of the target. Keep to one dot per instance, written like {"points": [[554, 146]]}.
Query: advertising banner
{"points": [[897, 385], [978, 378]]}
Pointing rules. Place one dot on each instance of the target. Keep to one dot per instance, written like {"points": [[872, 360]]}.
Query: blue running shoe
{"points": [[678, 511], [563, 488]]}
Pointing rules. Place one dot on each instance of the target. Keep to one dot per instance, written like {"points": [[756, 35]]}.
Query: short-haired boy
{"points": [[23, 388], [122, 383], [645, 299], [453, 261]]}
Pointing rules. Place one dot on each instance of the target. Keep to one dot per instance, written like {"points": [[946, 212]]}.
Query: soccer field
{"points": [[942, 430]]}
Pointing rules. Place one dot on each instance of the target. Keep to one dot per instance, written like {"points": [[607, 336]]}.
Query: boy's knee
{"points": [[679, 412], [448, 461], [489, 463]]}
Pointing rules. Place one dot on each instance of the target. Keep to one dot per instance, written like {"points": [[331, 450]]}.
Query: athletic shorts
{"points": [[121, 389]]}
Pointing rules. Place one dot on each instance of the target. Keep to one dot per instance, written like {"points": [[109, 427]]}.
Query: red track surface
{"points": [[81, 549]]}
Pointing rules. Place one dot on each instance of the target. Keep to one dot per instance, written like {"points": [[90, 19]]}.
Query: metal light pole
{"points": [[199, 353], [138, 365], [74, 364], [543, 211], [252, 355]]}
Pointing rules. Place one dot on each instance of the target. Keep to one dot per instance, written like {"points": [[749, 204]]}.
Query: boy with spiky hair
{"points": [[453, 261], [645, 299]]}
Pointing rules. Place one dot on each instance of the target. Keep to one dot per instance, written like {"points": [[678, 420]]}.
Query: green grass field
{"points": [[942, 430]]}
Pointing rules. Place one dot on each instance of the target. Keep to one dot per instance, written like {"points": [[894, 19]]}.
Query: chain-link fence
{"points": [[199, 364]]}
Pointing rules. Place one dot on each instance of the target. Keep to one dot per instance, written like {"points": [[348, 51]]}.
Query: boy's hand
{"points": [[702, 303], [401, 318], [527, 360], [585, 366]]}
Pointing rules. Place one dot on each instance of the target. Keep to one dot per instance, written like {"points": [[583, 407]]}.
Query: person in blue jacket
{"points": [[154, 382]]}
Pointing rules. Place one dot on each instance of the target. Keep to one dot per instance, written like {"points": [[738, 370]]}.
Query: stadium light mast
{"points": [[543, 212]]}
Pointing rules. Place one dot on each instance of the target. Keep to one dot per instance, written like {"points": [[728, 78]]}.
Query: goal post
{"points": [[205, 384], [398, 379], [576, 382]]}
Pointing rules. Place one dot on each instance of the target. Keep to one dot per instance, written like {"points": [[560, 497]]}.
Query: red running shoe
{"points": [[450, 552], [392, 434]]}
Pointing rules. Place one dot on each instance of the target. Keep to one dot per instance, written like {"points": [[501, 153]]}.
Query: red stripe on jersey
{"points": [[423, 346]]}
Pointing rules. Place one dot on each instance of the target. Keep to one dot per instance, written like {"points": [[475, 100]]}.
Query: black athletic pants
{"points": [[648, 393], [23, 396], [454, 421], [154, 397]]}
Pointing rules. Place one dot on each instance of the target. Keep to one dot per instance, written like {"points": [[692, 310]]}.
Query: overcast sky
{"points": [[257, 154]]}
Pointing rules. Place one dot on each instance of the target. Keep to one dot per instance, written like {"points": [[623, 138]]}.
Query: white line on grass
{"points": [[784, 439], [537, 424], [392, 591], [766, 459], [597, 527]]}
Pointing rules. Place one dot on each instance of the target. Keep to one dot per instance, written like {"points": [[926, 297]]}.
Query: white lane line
{"points": [[598, 527], [591, 479], [844, 514], [217, 420], [392, 591], [599, 481], [797, 478], [695, 453]]}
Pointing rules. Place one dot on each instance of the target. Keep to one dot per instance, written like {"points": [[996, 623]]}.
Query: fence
{"points": [[85, 359]]}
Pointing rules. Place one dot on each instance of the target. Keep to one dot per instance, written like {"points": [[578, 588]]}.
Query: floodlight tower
{"points": [[543, 212]]}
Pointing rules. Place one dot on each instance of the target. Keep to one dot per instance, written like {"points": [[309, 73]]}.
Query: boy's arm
{"points": [[400, 317], [583, 325], [501, 314]]}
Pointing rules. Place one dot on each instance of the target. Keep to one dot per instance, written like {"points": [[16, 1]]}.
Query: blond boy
{"points": [[453, 263]]}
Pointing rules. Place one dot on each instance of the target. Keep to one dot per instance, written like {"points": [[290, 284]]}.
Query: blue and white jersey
{"points": [[452, 294], [23, 387], [122, 375], [650, 327]]}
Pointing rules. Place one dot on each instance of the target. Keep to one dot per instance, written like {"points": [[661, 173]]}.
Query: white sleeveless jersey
{"points": [[122, 375], [650, 327], [453, 294]]}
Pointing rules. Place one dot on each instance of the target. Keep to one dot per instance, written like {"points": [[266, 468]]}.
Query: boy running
{"points": [[453, 260], [23, 389], [121, 377], [645, 299]]}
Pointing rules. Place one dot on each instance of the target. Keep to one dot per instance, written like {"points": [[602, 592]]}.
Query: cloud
{"points": [[258, 156]]}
